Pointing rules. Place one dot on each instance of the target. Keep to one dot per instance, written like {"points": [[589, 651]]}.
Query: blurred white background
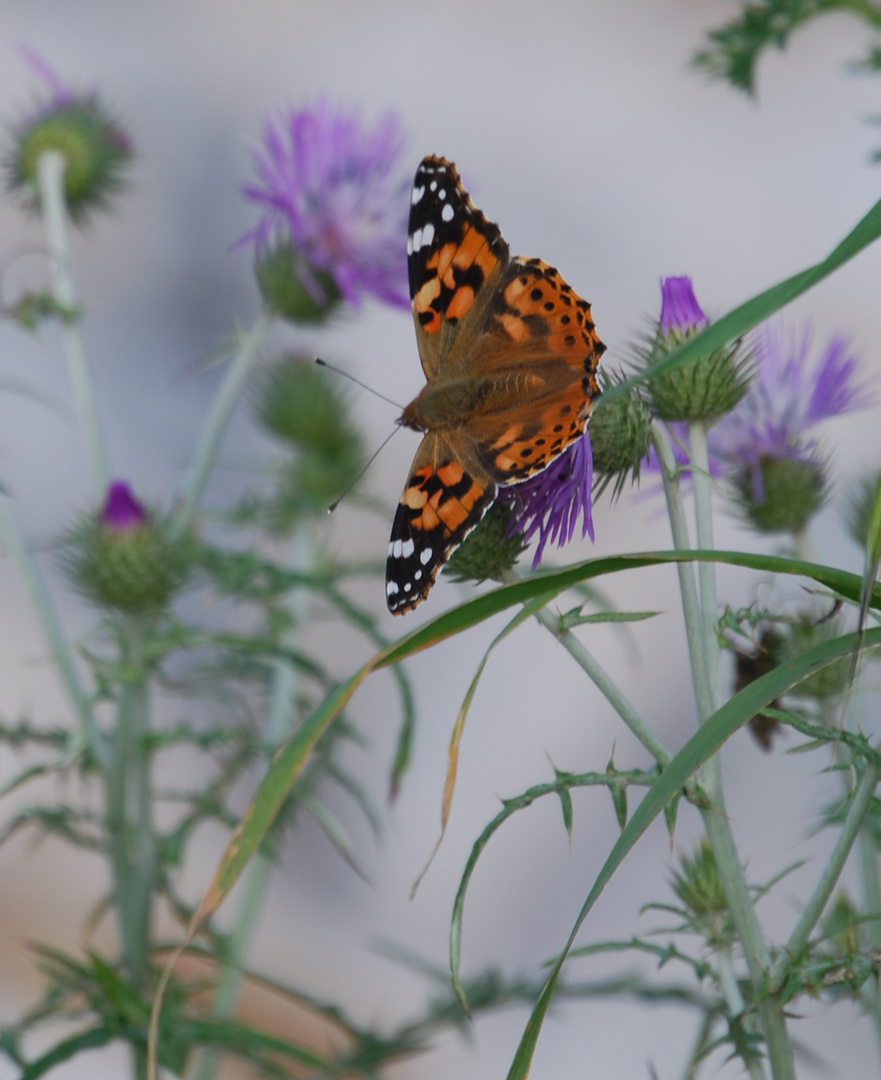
{"points": [[585, 134]]}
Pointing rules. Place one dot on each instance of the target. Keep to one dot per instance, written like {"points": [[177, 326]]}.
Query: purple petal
{"points": [[122, 511], [549, 503], [679, 307], [329, 185]]}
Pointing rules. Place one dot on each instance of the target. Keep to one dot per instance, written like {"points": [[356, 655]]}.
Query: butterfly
{"points": [[510, 354]]}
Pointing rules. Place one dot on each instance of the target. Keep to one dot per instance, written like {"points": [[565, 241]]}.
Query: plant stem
{"points": [[718, 828], [50, 180], [61, 654], [606, 686], [685, 571], [212, 430], [281, 712], [730, 988], [703, 516], [813, 909], [129, 816]]}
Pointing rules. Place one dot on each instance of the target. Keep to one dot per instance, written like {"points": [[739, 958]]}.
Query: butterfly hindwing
{"points": [[444, 499]]}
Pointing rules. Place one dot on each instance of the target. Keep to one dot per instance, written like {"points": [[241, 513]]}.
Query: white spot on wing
{"points": [[394, 549], [407, 586], [407, 548], [426, 556], [418, 575], [442, 194], [391, 588], [418, 192], [416, 238], [433, 185], [427, 235], [448, 213]]}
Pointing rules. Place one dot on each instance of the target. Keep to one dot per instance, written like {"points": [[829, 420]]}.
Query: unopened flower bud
{"points": [[781, 494], [489, 551], [620, 434], [706, 388], [293, 289], [123, 558]]}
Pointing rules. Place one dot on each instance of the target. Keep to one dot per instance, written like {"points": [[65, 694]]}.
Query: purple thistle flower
{"points": [[550, 502], [330, 188], [788, 396], [122, 512], [680, 310]]}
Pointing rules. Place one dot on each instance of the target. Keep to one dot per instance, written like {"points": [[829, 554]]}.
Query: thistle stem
{"points": [[50, 180], [133, 848], [607, 687], [718, 828], [685, 571], [703, 515], [281, 712], [215, 423], [61, 654], [813, 909]]}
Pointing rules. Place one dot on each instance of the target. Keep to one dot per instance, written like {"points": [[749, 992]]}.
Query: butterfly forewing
{"points": [[455, 259]]}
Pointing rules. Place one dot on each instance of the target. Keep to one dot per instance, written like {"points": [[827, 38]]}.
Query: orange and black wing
{"points": [[456, 259]]}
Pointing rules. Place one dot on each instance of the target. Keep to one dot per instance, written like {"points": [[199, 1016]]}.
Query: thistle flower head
{"points": [[75, 124], [123, 558], [334, 209], [766, 445], [709, 386], [550, 503]]}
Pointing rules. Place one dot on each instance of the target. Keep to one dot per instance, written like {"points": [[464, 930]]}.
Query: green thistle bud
{"points": [[620, 435], [123, 558], [295, 401], [781, 494], [292, 289], [93, 145], [312, 482], [861, 508], [710, 386], [699, 888], [487, 552]]}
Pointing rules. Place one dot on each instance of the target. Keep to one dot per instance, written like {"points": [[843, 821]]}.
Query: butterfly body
{"points": [[509, 352]]}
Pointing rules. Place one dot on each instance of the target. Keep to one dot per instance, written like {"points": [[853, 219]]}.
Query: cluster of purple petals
{"points": [[790, 394], [332, 187], [550, 503]]}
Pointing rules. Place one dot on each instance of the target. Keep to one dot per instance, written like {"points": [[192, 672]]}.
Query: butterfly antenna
{"points": [[364, 386], [373, 458]]}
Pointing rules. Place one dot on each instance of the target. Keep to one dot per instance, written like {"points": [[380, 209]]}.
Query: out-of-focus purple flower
{"points": [[789, 395], [122, 511], [76, 125], [680, 311], [549, 504], [331, 189]]}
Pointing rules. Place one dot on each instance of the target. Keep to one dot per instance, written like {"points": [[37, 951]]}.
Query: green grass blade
{"points": [[699, 748]]}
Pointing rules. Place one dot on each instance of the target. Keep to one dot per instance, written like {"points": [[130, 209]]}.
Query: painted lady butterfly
{"points": [[509, 352]]}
